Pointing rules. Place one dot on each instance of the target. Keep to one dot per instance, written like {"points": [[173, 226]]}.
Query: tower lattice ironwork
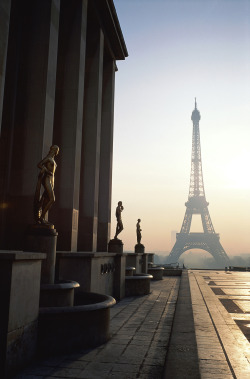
{"points": [[197, 204]]}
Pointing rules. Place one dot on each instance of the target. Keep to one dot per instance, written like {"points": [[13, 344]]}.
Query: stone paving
{"points": [[182, 356], [223, 348], [140, 328], [149, 330]]}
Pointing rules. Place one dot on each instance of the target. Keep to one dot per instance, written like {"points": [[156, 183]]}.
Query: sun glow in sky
{"points": [[179, 50]]}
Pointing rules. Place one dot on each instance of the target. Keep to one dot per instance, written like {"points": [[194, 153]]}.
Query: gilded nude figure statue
{"points": [[43, 203]]}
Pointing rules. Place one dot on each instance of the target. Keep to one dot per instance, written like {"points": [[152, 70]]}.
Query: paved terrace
{"points": [[221, 309], [194, 327]]}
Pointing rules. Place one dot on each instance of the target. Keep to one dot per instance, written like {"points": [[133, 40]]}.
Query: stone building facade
{"points": [[57, 76]]}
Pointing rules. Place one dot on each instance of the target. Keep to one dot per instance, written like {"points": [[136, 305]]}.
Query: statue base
{"points": [[42, 238], [115, 246], [41, 226], [139, 248]]}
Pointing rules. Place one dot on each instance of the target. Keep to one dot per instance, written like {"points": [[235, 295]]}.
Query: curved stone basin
{"points": [[67, 329], [60, 294], [137, 285], [129, 271], [157, 272]]}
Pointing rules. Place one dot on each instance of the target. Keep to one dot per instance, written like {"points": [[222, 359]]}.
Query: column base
{"points": [[139, 248], [115, 246]]}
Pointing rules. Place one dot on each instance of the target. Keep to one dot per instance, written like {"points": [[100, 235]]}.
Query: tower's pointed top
{"points": [[195, 114]]}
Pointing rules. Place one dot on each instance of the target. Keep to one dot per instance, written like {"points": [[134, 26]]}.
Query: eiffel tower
{"points": [[197, 204]]}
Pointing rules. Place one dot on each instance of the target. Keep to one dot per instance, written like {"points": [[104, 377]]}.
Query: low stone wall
{"points": [[134, 260], [172, 272], [137, 260], [102, 273], [237, 268], [156, 272]]}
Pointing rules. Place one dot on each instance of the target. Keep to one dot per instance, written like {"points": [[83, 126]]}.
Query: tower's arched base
{"points": [[205, 241]]}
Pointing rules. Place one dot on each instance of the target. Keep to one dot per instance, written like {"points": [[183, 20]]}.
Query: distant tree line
{"points": [[199, 260]]}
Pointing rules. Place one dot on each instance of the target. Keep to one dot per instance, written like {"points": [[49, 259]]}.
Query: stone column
{"points": [[89, 188], [106, 155], [28, 111], [119, 277], [4, 33], [68, 120]]}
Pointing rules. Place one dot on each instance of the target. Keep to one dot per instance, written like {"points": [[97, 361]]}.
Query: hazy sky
{"points": [[179, 50]]}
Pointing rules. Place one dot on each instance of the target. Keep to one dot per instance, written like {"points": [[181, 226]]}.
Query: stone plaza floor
{"points": [[221, 309], [194, 326]]}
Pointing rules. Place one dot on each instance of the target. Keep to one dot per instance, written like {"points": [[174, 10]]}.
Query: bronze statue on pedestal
{"points": [[42, 204], [138, 231], [119, 226]]}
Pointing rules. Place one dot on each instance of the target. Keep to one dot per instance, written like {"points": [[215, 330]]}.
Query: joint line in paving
{"points": [[170, 296]]}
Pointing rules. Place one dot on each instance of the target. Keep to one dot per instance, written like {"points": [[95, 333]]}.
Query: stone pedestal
{"points": [[139, 248], [19, 292], [43, 240], [115, 246]]}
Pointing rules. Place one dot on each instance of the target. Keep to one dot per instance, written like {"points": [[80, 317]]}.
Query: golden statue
{"points": [[42, 204]]}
